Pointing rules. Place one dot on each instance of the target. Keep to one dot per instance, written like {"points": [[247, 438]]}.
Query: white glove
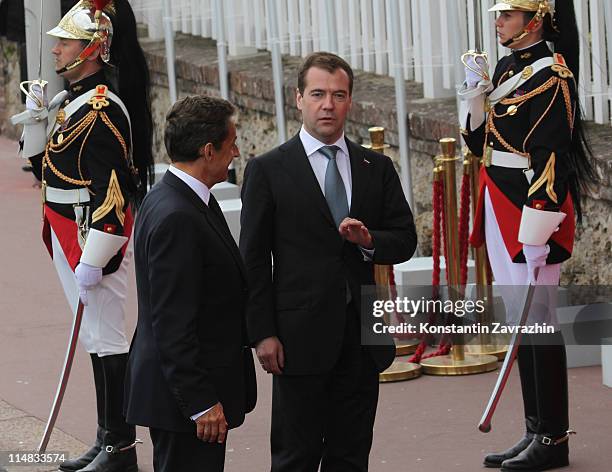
{"points": [[87, 277], [536, 258], [474, 64], [36, 97]]}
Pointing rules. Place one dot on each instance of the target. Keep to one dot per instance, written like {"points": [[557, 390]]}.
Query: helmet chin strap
{"points": [[529, 28]]}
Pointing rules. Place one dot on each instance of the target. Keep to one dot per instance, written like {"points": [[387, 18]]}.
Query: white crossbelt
{"points": [[509, 159], [58, 195]]}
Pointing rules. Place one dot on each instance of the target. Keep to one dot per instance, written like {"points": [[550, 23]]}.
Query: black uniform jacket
{"points": [[91, 150], [534, 121], [188, 351], [286, 220]]}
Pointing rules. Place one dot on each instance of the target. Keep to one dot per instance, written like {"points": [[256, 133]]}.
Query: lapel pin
{"points": [[365, 161]]}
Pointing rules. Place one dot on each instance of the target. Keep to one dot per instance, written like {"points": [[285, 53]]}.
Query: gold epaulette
{"points": [[99, 100], [560, 67]]}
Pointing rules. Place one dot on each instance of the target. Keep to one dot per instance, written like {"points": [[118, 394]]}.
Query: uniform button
{"points": [[66, 102], [511, 73], [491, 144], [538, 206]]}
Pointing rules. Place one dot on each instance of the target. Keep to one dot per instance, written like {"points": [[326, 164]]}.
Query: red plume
{"points": [[101, 4]]}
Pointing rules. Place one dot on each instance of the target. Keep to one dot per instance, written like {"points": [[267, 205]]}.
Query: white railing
{"points": [[433, 34]]}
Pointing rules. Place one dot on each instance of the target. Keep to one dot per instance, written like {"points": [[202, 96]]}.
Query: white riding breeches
{"points": [[511, 277], [103, 325]]}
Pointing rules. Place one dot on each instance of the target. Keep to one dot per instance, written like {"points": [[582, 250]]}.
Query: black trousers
{"points": [[177, 452], [327, 419]]}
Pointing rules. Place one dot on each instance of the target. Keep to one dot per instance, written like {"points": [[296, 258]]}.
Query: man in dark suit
{"points": [[189, 377], [324, 209]]}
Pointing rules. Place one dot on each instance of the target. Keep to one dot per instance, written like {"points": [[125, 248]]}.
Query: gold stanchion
{"points": [[458, 362], [488, 344], [399, 369]]}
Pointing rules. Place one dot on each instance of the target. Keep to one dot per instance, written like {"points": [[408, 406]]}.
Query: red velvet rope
{"points": [[436, 243], [464, 216]]}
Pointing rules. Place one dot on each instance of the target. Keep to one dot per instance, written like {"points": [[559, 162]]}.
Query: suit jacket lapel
{"points": [[220, 227], [297, 165], [360, 176], [219, 224]]}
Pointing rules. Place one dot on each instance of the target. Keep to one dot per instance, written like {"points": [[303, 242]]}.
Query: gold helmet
{"points": [[88, 20], [541, 8]]}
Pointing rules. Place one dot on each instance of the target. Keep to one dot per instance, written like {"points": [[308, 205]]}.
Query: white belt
{"points": [[509, 159], [58, 195]]}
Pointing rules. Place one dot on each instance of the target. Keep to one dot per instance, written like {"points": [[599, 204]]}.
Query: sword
{"points": [[477, 26], [39, 81], [485, 422], [63, 382], [477, 52]]}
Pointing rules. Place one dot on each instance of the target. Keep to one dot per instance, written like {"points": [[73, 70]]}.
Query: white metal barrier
{"points": [[433, 34]]}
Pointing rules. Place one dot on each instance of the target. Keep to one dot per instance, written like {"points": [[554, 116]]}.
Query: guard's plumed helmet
{"points": [[541, 8], [88, 20]]}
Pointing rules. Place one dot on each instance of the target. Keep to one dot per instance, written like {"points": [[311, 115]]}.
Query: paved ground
{"points": [[424, 425]]}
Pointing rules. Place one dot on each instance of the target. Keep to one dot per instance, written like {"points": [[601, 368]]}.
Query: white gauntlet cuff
{"points": [[100, 247], [538, 225], [473, 100], [34, 130]]}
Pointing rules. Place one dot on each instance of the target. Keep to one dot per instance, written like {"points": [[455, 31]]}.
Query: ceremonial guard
{"points": [[525, 121], [90, 146]]}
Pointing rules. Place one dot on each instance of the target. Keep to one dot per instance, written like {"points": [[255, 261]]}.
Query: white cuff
{"points": [[34, 130], [100, 247], [473, 104], [368, 254], [538, 225], [197, 415]]}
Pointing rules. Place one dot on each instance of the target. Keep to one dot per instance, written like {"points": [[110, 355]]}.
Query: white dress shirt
{"points": [[318, 162], [203, 192], [194, 184]]}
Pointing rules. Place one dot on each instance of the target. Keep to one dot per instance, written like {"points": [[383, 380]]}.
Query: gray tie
{"points": [[335, 193]]}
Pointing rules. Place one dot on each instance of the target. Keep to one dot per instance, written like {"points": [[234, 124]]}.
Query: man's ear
{"points": [[298, 99], [206, 151]]}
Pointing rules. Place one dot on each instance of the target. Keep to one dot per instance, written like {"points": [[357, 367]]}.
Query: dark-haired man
{"points": [[325, 209], [189, 377]]}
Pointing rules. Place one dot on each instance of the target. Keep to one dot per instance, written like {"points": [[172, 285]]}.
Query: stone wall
{"points": [[252, 90], [10, 100]]}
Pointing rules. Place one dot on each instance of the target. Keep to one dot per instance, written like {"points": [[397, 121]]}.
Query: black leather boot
{"points": [[530, 406], [84, 459], [549, 449], [118, 453], [544, 453]]}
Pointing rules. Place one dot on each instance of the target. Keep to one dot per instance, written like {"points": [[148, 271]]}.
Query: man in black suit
{"points": [[189, 377], [325, 210]]}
